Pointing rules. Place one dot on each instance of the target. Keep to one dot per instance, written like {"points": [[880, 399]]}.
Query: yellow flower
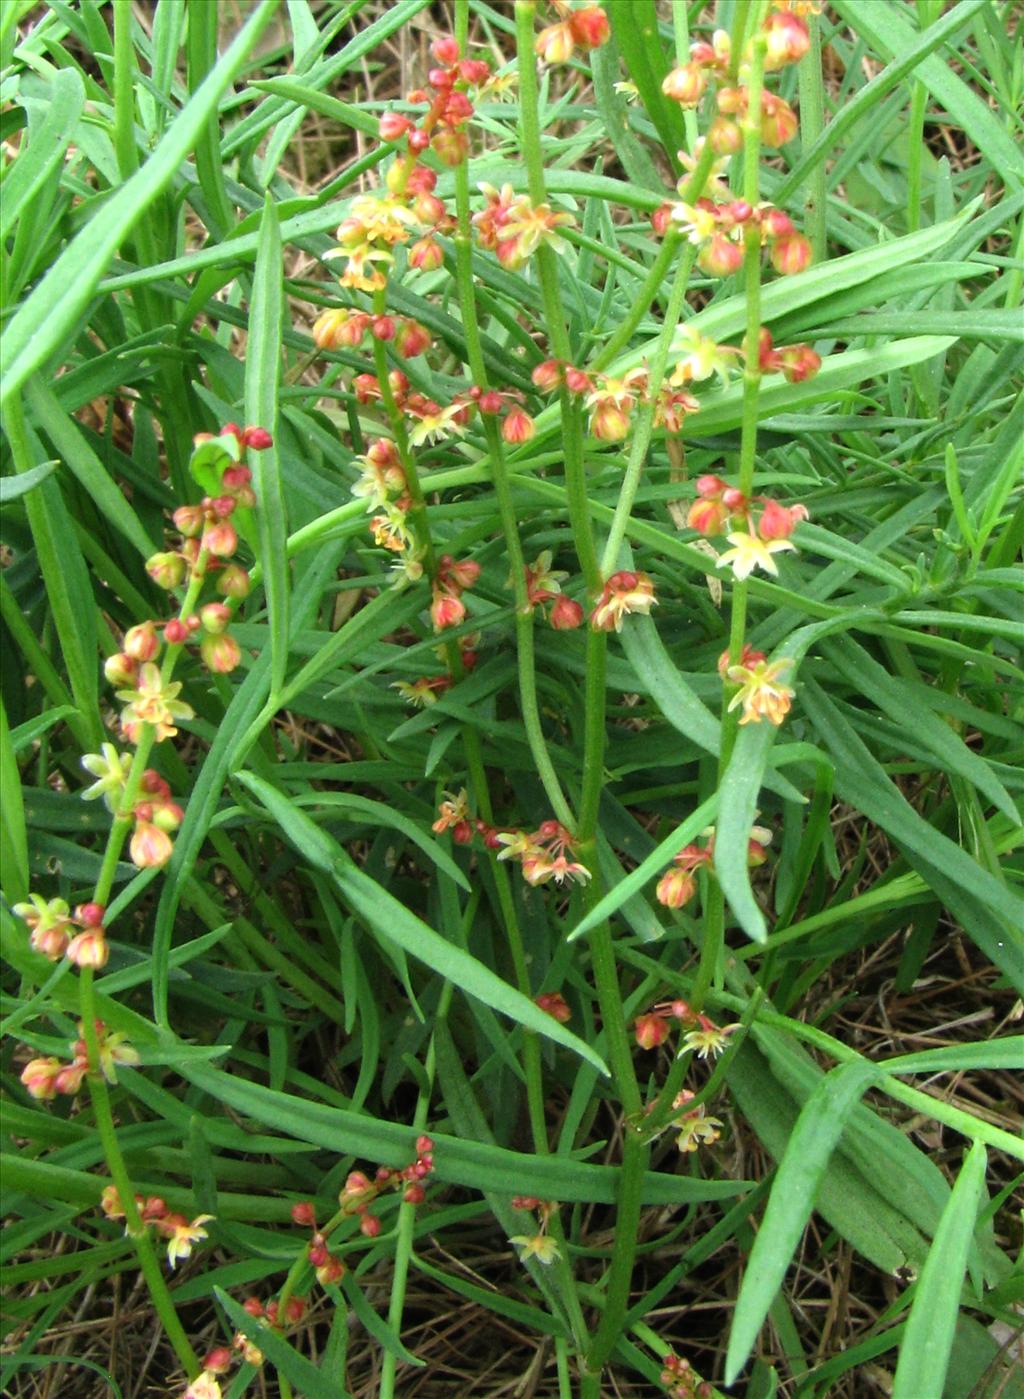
{"points": [[761, 694], [435, 426], [749, 552], [539, 1246], [185, 1236]]}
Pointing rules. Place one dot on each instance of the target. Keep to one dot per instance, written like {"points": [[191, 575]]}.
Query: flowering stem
{"points": [[134, 1227], [645, 418], [547, 271], [506, 506]]}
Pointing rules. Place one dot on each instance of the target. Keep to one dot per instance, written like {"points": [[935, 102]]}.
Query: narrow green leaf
{"points": [[262, 381], [13, 843], [931, 1325], [380, 814], [11, 487], [813, 1139], [385, 917], [1007, 1052], [375, 1324], [737, 796], [42, 154]]}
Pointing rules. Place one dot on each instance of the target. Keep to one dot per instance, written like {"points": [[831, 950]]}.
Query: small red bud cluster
{"points": [[543, 854], [342, 327], [625, 592], [796, 362], [359, 1191], [721, 508], [453, 578], [555, 1004], [680, 1381], [586, 28], [57, 932], [44, 1078], [157, 817]]}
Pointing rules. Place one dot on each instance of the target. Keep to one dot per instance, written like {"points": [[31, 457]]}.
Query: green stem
{"points": [[124, 90], [134, 1227], [812, 122], [506, 509], [403, 1244], [645, 419], [547, 272]]}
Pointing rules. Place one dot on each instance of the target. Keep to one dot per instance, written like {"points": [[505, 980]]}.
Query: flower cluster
{"points": [[717, 228], [358, 1194], [694, 1127], [181, 1234], [678, 884], [703, 1037], [756, 527], [543, 854], [544, 585], [513, 227], [344, 327], [44, 1078], [377, 223], [624, 593], [453, 578], [762, 693], [57, 932], [585, 28], [541, 1245], [155, 815], [680, 1381]]}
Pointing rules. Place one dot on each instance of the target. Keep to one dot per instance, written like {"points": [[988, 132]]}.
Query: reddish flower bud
{"points": [[555, 44], [383, 327], [707, 517], [556, 1006], [418, 140], [369, 1225], [650, 1031], [788, 39], [661, 219], [799, 362], [234, 582], [393, 126], [426, 255], [566, 613], [257, 439], [412, 339], [304, 1212], [221, 539], [778, 121], [330, 1271], [577, 380], [175, 632], [220, 653], [791, 254], [451, 147], [150, 847], [685, 85], [720, 257], [517, 426], [253, 1306], [215, 616], [609, 422], [189, 519], [414, 1195], [166, 569], [474, 71], [779, 521], [589, 27], [142, 643], [725, 136], [167, 816], [549, 375], [446, 49], [428, 209], [89, 949], [218, 1361]]}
